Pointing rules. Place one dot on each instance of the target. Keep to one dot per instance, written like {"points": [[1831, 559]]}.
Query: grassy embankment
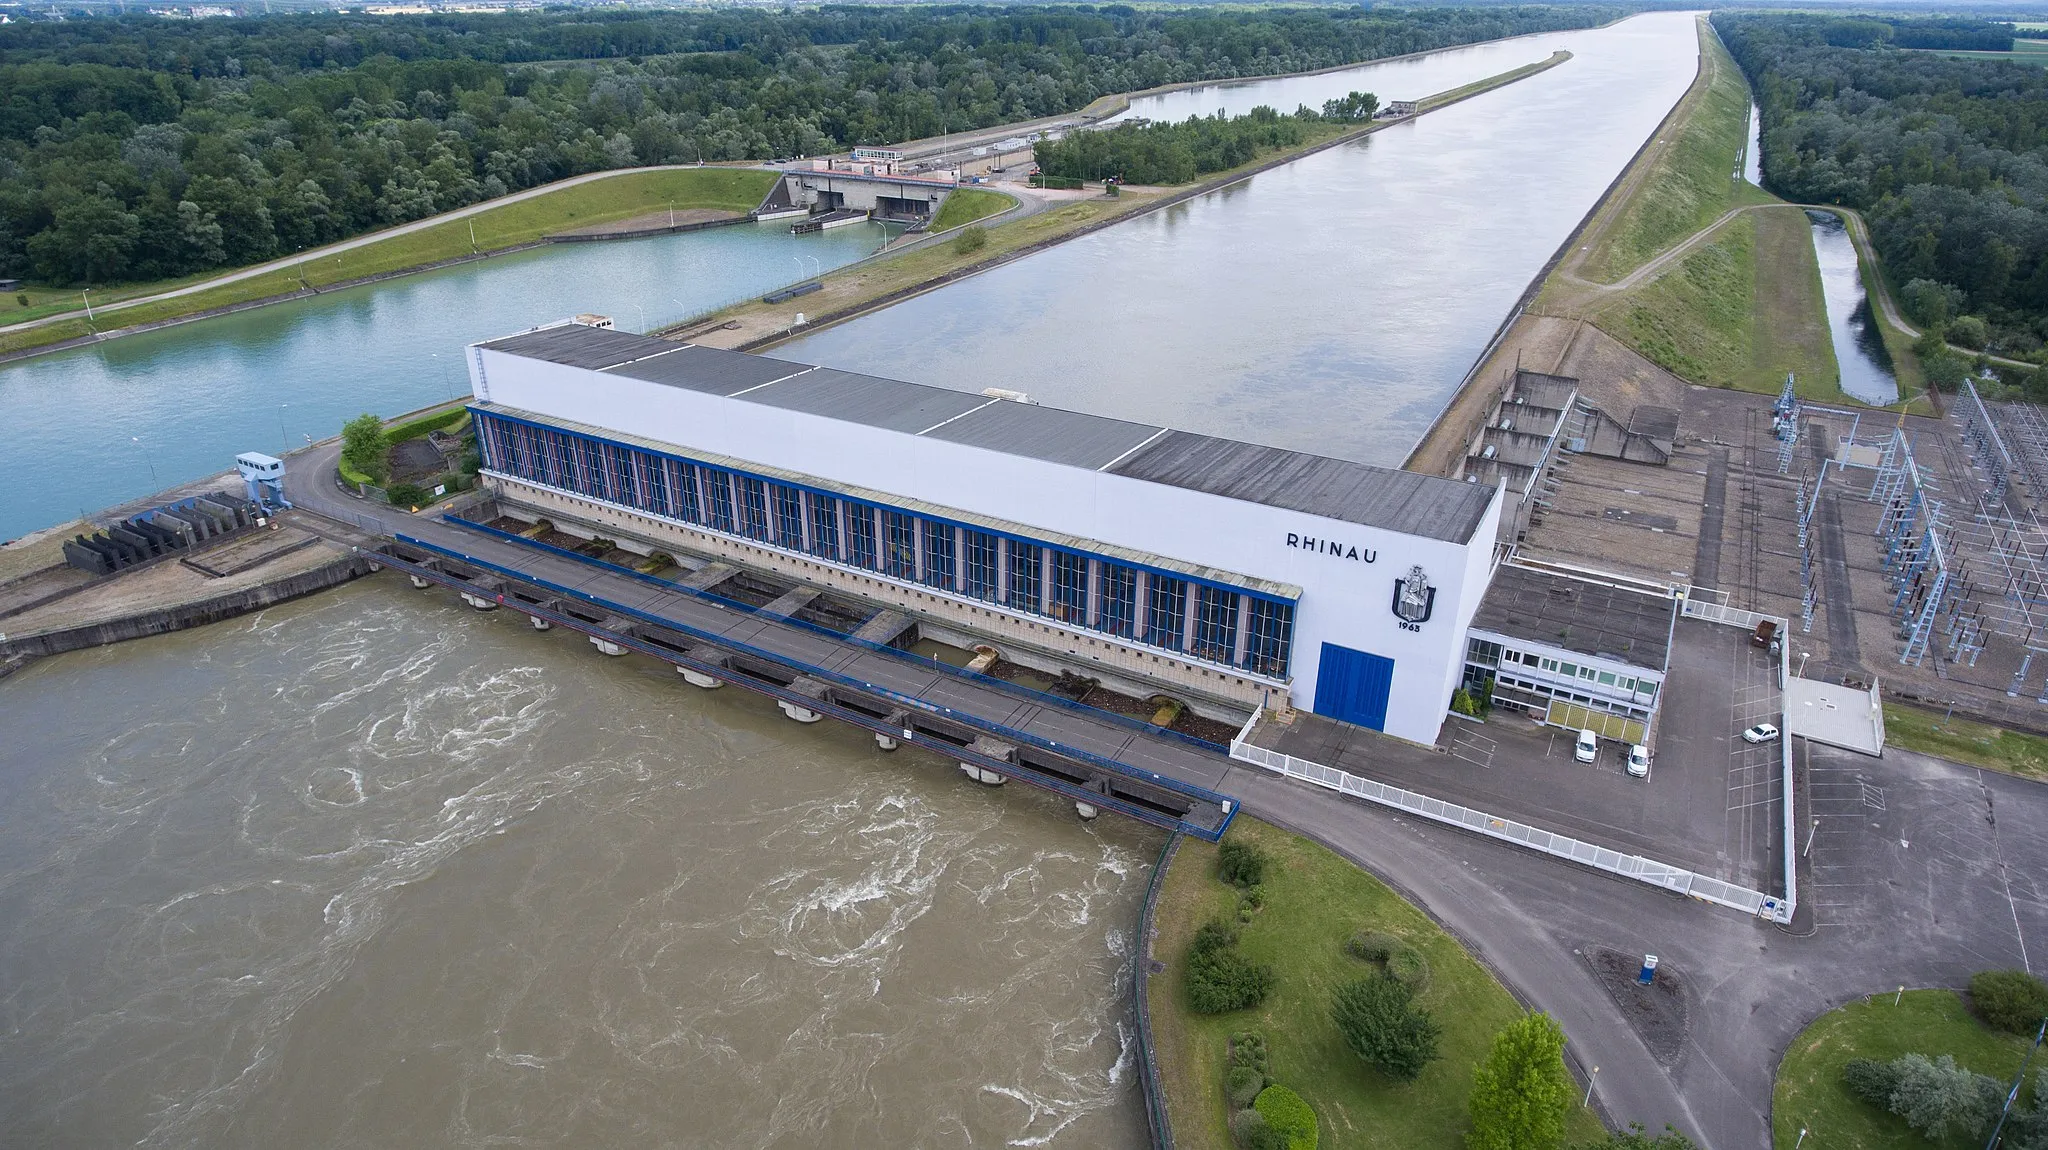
{"points": [[1810, 1095], [600, 201], [966, 205], [1740, 308], [1964, 741], [865, 283], [1315, 900]]}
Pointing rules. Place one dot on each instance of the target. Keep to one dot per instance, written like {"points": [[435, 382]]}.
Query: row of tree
{"points": [[1174, 153], [136, 148], [1947, 158]]}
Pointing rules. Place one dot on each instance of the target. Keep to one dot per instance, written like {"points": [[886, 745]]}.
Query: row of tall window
{"points": [[1210, 621]]}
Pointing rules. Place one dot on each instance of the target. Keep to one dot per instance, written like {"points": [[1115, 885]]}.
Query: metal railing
{"points": [[1662, 875], [1721, 613], [1141, 977], [799, 667]]}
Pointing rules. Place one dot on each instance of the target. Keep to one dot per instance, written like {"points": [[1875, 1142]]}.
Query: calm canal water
{"points": [[372, 869], [1753, 151], [102, 424], [376, 870], [1866, 367], [1330, 305]]}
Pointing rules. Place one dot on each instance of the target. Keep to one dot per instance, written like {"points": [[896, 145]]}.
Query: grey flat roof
{"points": [[1402, 501], [1578, 615]]}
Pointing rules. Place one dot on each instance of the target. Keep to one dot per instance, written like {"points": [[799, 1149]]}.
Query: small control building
{"points": [[1238, 574]]}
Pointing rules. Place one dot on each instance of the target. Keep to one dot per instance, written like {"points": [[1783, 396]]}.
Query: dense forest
{"points": [[1174, 153], [1946, 158], [137, 148]]}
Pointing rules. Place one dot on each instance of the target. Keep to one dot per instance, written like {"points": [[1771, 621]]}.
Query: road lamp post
{"points": [[282, 434], [1590, 1080], [144, 448]]}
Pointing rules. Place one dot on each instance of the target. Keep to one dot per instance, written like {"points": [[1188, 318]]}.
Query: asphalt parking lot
{"points": [[1709, 804]]}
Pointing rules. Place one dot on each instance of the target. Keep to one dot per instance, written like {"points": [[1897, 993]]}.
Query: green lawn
{"points": [[1692, 182], [1315, 900], [966, 205], [1964, 741], [1810, 1095], [601, 201]]}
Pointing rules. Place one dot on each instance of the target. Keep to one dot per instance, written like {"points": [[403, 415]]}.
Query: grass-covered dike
{"points": [[1314, 910]]}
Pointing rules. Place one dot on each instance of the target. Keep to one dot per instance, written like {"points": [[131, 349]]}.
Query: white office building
{"points": [[1240, 574]]}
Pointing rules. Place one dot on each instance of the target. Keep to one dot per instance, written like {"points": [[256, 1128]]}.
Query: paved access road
{"points": [[1917, 878]]}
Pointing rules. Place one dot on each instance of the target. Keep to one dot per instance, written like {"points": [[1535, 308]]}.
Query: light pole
{"points": [[86, 295], [1803, 657], [1802, 1138], [144, 448], [1809, 837], [1590, 1079], [282, 434], [643, 318]]}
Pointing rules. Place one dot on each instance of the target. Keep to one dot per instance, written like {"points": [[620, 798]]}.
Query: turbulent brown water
{"points": [[376, 870]]}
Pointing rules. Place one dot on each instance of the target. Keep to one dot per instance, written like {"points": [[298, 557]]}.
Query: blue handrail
{"points": [[740, 605], [1189, 790]]}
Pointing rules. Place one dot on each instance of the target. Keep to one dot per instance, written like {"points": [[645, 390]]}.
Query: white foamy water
{"points": [[375, 870]]}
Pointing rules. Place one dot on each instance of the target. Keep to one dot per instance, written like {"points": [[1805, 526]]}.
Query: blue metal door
{"points": [[1353, 686]]}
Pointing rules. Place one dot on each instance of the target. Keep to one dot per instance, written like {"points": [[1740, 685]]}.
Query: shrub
{"points": [[1382, 1025], [1373, 945], [1407, 967], [1521, 1092], [971, 239], [1636, 1138], [22, 299], [1222, 980], [1213, 935], [1250, 1130], [2009, 1000], [1461, 702], [1870, 1080], [1248, 1048], [1287, 1114], [1241, 863], [408, 495], [1935, 1096], [1967, 331], [1242, 1085]]}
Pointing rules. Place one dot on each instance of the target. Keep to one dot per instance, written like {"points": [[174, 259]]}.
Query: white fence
{"points": [[1720, 613], [1657, 874]]}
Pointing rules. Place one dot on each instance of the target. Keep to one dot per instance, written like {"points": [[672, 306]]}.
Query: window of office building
{"points": [[981, 564], [825, 526], [1070, 588], [590, 461], [938, 554], [789, 517], [1116, 600], [860, 535], [754, 508], [899, 545], [687, 505], [718, 492], [1269, 636], [1027, 579], [1166, 611], [1215, 623], [626, 489], [657, 486]]}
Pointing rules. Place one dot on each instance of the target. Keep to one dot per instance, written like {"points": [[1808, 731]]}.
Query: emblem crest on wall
{"points": [[1414, 598]]}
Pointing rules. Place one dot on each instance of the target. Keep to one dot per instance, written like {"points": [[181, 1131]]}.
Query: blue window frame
{"points": [[560, 456], [657, 485], [938, 554], [1116, 599], [688, 505], [1215, 623], [1166, 611], [718, 490], [980, 582], [1027, 578], [899, 540], [1069, 588], [753, 507], [789, 517], [591, 463], [627, 486], [825, 526], [1269, 636], [860, 535]]}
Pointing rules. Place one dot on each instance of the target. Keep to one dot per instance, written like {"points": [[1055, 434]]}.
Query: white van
{"points": [[1587, 747]]}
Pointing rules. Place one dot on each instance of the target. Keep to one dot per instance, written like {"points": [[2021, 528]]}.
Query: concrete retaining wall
{"points": [[196, 614]]}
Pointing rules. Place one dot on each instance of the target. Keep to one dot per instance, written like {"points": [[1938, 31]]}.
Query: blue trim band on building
{"points": [[1134, 602]]}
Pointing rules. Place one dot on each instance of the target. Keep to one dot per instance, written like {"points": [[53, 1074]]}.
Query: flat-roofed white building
{"points": [[1244, 574]]}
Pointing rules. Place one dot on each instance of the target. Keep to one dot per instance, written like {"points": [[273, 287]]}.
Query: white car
{"points": [[1586, 748], [1639, 761], [1761, 733]]}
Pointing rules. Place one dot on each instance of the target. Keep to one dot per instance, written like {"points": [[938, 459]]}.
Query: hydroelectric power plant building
{"points": [[1241, 575]]}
